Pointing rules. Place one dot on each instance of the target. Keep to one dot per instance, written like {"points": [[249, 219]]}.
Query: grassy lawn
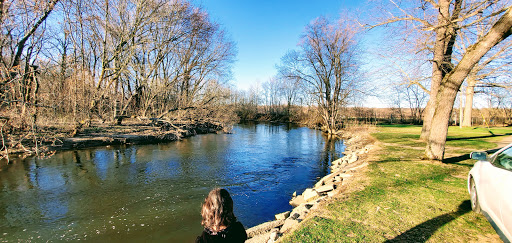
{"points": [[406, 199]]}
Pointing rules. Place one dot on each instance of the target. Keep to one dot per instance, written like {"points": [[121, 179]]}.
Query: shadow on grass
{"points": [[488, 136], [457, 159], [423, 231]]}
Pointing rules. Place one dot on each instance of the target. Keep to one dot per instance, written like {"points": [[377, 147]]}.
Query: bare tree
{"points": [[204, 56], [500, 106], [21, 24], [442, 23], [489, 72], [412, 96], [408, 78], [144, 58], [246, 103], [452, 82], [109, 59], [327, 65], [290, 90], [272, 96]]}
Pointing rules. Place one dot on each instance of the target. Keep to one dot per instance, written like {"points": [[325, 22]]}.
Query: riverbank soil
{"points": [[404, 198], [45, 140]]}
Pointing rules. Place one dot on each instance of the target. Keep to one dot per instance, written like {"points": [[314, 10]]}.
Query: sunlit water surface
{"points": [[154, 192]]}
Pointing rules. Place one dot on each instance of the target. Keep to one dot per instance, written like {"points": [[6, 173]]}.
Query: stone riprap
{"points": [[304, 204]]}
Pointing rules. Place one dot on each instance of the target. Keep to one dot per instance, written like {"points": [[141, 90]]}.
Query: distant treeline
{"points": [[364, 115], [74, 61], [481, 117]]}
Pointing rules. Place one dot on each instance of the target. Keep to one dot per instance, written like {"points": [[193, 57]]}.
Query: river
{"points": [[144, 193]]}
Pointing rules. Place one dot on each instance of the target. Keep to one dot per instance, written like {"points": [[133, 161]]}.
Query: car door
{"points": [[490, 189], [503, 176]]}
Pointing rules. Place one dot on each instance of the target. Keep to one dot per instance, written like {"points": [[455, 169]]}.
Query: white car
{"points": [[490, 188]]}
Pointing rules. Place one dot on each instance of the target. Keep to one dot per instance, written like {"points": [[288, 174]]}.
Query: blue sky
{"points": [[265, 30]]}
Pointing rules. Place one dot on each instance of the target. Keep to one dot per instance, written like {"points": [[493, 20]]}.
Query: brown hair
{"points": [[217, 210]]}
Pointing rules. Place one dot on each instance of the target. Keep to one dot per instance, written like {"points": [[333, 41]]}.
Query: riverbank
{"points": [[344, 177], [45, 141], [400, 198], [154, 192]]}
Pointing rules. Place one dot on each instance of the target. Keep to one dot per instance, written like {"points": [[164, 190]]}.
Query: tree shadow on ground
{"points": [[488, 136], [423, 231], [457, 159]]}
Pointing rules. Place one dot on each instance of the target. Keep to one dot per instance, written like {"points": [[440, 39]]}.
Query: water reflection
{"points": [[330, 153], [154, 192]]}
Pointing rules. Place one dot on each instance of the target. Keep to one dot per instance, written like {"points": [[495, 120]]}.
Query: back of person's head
{"points": [[217, 210]]}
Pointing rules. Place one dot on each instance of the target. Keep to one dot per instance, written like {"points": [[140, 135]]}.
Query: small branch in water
{"points": [[4, 147], [35, 137]]}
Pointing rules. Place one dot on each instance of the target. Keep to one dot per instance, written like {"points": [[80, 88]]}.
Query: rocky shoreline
{"points": [[358, 145]]}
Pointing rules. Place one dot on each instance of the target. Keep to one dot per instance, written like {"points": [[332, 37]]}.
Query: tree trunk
{"points": [[468, 108], [446, 34], [428, 114], [440, 122], [21, 44], [451, 84]]}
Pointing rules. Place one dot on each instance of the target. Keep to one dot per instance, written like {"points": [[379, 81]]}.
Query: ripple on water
{"points": [[154, 192]]}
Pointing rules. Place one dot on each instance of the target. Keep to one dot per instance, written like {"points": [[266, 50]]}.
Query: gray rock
{"points": [[262, 228], [332, 193], [289, 224], [337, 162], [315, 206], [297, 201], [274, 235], [282, 216], [326, 179], [325, 188], [261, 238], [309, 194], [294, 215], [352, 159], [320, 199], [301, 211], [320, 182]]}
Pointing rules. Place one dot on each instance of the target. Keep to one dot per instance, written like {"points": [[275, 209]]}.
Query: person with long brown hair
{"points": [[219, 221]]}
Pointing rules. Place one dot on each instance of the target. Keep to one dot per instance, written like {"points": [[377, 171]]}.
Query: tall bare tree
{"points": [[451, 83], [491, 71], [327, 64], [290, 90], [439, 24], [144, 57], [20, 42], [205, 54]]}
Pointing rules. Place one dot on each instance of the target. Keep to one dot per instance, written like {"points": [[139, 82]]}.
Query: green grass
{"points": [[407, 199]]}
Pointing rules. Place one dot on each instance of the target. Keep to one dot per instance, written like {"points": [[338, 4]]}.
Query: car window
{"points": [[504, 159]]}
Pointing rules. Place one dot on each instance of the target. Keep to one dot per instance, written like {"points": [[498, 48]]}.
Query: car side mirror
{"points": [[478, 155]]}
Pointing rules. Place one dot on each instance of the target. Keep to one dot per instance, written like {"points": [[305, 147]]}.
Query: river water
{"points": [[147, 193]]}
